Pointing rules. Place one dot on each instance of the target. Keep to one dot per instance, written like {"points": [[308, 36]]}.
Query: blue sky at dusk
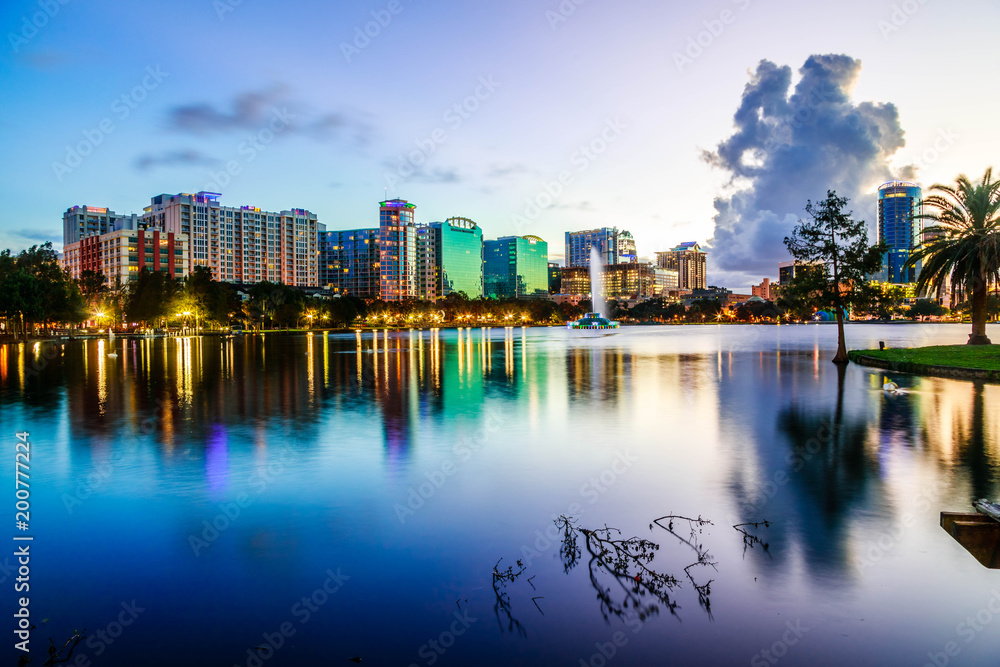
{"points": [[191, 87]]}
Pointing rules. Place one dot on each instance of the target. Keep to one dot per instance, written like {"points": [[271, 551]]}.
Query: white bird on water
{"points": [[888, 385], [111, 341]]}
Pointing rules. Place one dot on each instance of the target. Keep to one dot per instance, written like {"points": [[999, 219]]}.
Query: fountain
{"points": [[598, 318], [597, 301]]}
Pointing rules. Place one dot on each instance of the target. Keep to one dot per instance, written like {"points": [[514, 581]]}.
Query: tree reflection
{"points": [[974, 450], [831, 473]]}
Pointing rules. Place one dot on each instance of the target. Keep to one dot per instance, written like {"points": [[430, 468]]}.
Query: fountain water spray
{"points": [[597, 283]]}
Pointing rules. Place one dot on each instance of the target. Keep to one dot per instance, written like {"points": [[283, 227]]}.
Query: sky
{"points": [[712, 122]]}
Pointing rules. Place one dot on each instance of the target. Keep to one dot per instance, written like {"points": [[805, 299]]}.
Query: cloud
{"points": [[423, 174], [576, 206], [254, 110], [507, 171], [42, 237], [790, 146], [181, 158]]}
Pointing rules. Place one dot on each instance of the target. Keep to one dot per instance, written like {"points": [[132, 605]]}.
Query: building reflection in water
{"points": [[200, 398]]}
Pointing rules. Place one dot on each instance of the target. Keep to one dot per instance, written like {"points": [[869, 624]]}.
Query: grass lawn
{"points": [[983, 357]]}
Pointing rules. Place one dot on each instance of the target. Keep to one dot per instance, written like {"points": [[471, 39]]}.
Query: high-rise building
{"points": [[516, 267], [80, 222], [689, 261], [788, 271], [613, 246], [555, 278], [765, 290], [398, 251], [349, 262], [428, 277], [457, 257], [899, 229], [122, 253], [240, 244], [626, 248], [625, 281]]}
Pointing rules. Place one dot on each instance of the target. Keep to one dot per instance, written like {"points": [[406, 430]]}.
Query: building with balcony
{"points": [[80, 222], [398, 279], [119, 255], [240, 244], [689, 261]]}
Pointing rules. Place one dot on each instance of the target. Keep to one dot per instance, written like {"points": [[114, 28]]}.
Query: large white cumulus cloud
{"points": [[792, 145]]}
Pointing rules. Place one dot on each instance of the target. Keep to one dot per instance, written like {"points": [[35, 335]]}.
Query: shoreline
{"points": [[866, 358], [60, 339]]}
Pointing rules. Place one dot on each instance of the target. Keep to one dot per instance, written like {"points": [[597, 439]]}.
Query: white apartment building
{"points": [[240, 244]]}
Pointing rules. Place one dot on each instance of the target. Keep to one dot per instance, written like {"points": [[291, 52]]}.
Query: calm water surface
{"points": [[219, 482]]}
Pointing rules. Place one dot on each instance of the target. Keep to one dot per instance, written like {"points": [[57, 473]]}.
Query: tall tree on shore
{"points": [[962, 246], [830, 238]]}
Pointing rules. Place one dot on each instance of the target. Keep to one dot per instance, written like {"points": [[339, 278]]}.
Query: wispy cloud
{"points": [[253, 110], [181, 158]]}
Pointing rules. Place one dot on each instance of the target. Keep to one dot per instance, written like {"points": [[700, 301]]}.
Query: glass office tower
{"points": [[516, 267], [458, 257], [898, 203]]}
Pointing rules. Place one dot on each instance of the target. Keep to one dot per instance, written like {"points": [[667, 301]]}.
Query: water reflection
{"points": [[775, 432]]}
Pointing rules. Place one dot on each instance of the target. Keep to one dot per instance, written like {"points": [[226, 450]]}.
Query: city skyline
{"points": [[492, 131]]}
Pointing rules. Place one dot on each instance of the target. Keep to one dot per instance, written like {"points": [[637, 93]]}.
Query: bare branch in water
{"points": [[56, 654], [749, 539], [502, 606], [643, 589], [695, 527]]}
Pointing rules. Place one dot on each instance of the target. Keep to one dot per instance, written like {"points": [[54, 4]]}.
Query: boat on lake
{"points": [[592, 321]]}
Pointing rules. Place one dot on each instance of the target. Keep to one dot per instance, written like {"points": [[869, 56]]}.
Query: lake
{"points": [[293, 499]]}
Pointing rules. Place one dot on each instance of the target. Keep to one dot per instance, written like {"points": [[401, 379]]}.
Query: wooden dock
{"points": [[977, 533]]}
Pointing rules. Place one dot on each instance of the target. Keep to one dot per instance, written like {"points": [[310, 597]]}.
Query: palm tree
{"points": [[963, 245]]}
